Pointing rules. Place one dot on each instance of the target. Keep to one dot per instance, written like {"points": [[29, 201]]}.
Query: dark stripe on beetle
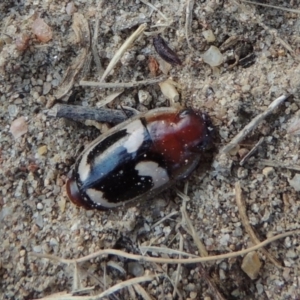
{"points": [[105, 144]]}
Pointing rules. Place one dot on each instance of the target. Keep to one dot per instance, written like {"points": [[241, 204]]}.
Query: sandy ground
{"points": [[35, 214]]}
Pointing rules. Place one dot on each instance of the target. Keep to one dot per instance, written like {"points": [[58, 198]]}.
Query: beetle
{"points": [[139, 158]]}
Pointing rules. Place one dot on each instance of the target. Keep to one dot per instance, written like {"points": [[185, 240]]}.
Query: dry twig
{"points": [[109, 85], [141, 291], [278, 164], [95, 52], [260, 21], [106, 293], [250, 153], [122, 50], [243, 215], [81, 64], [81, 113], [253, 124], [297, 11], [198, 243], [188, 21], [166, 260], [179, 266]]}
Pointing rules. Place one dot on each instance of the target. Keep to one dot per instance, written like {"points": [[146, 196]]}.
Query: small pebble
{"points": [[260, 288], [18, 127], [169, 91], [42, 31], [70, 8], [295, 182], [144, 97], [22, 42], [213, 56], [267, 171], [53, 242], [37, 248], [209, 36], [136, 269], [42, 150], [190, 287], [251, 264], [243, 152], [13, 110], [242, 173], [46, 88], [40, 206]]}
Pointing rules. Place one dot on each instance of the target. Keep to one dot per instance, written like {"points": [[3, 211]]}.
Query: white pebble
{"points": [[40, 206], [209, 35], [213, 56]]}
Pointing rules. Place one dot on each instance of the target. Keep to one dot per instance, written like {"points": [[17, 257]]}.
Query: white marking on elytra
{"points": [[132, 141], [136, 136], [84, 169], [158, 174], [98, 200]]}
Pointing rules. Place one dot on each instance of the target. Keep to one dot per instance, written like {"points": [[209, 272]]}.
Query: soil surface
{"points": [[260, 54]]}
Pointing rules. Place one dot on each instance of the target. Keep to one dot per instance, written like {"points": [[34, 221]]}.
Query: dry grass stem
{"points": [[72, 72], [253, 124], [95, 52], [106, 293], [116, 266], [195, 236], [76, 278], [141, 292], [82, 291], [245, 221], [122, 50], [108, 99], [166, 260], [188, 21], [186, 220], [167, 217], [250, 153], [163, 250], [110, 85], [81, 64], [279, 39], [175, 287], [154, 8], [297, 11], [260, 21], [178, 270], [278, 164]]}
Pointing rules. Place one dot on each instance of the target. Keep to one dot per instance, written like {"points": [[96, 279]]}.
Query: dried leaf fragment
{"points": [[153, 66], [42, 31], [165, 52], [81, 29]]}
